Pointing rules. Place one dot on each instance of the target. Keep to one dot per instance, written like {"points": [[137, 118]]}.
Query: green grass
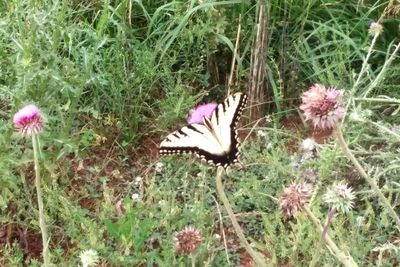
{"points": [[112, 78]]}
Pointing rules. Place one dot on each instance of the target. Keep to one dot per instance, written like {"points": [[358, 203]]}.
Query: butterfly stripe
{"points": [[217, 113], [193, 129], [216, 140]]}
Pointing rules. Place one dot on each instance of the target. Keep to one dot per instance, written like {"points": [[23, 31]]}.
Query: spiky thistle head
{"points": [[340, 196], [375, 28], [89, 258], [294, 198]]}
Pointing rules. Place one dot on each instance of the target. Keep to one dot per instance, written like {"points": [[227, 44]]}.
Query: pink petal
{"points": [[28, 120], [197, 114], [26, 113]]}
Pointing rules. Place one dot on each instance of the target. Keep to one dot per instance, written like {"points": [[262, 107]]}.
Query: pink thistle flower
{"points": [[187, 240], [323, 106], [28, 120], [197, 114]]}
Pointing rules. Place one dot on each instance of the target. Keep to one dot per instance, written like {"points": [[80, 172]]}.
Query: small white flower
{"points": [[136, 197], [89, 258], [308, 149], [308, 144], [159, 167], [261, 133], [138, 179], [360, 220], [268, 119], [270, 146], [117, 174]]}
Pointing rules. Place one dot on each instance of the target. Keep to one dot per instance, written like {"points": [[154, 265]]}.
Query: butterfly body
{"points": [[215, 140]]}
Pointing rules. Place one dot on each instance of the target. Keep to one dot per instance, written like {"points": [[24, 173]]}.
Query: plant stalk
{"points": [[365, 61], [382, 72], [384, 201], [42, 223], [193, 259], [221, 193], [346, 260], [329, 218]]}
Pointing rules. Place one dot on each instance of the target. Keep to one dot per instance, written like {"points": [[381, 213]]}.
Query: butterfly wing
{"points": [[215, 141]]}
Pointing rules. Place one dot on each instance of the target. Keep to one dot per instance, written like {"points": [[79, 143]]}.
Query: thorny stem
{"points": [[42, 223], [384, 201], [220, 189], [329, 218], [347, 260]]}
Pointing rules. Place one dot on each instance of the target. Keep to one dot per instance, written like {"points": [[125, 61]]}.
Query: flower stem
{"points": [[193, 259], [42, 223], [378, 99], [384, 201], [365, 62], [221, 193], [329, 218], [347, 260], [383, 71]]}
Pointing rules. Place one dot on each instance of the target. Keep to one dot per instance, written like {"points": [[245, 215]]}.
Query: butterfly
{"points": [[215, 140]]}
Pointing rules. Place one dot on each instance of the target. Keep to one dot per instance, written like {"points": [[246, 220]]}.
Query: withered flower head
{"points": [[375, 28], [187, 240], [294, 198], [323, 106]]}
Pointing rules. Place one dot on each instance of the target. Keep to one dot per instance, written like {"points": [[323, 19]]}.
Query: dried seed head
{"points": [[375, 28], [294, 198], [187, 240]]}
